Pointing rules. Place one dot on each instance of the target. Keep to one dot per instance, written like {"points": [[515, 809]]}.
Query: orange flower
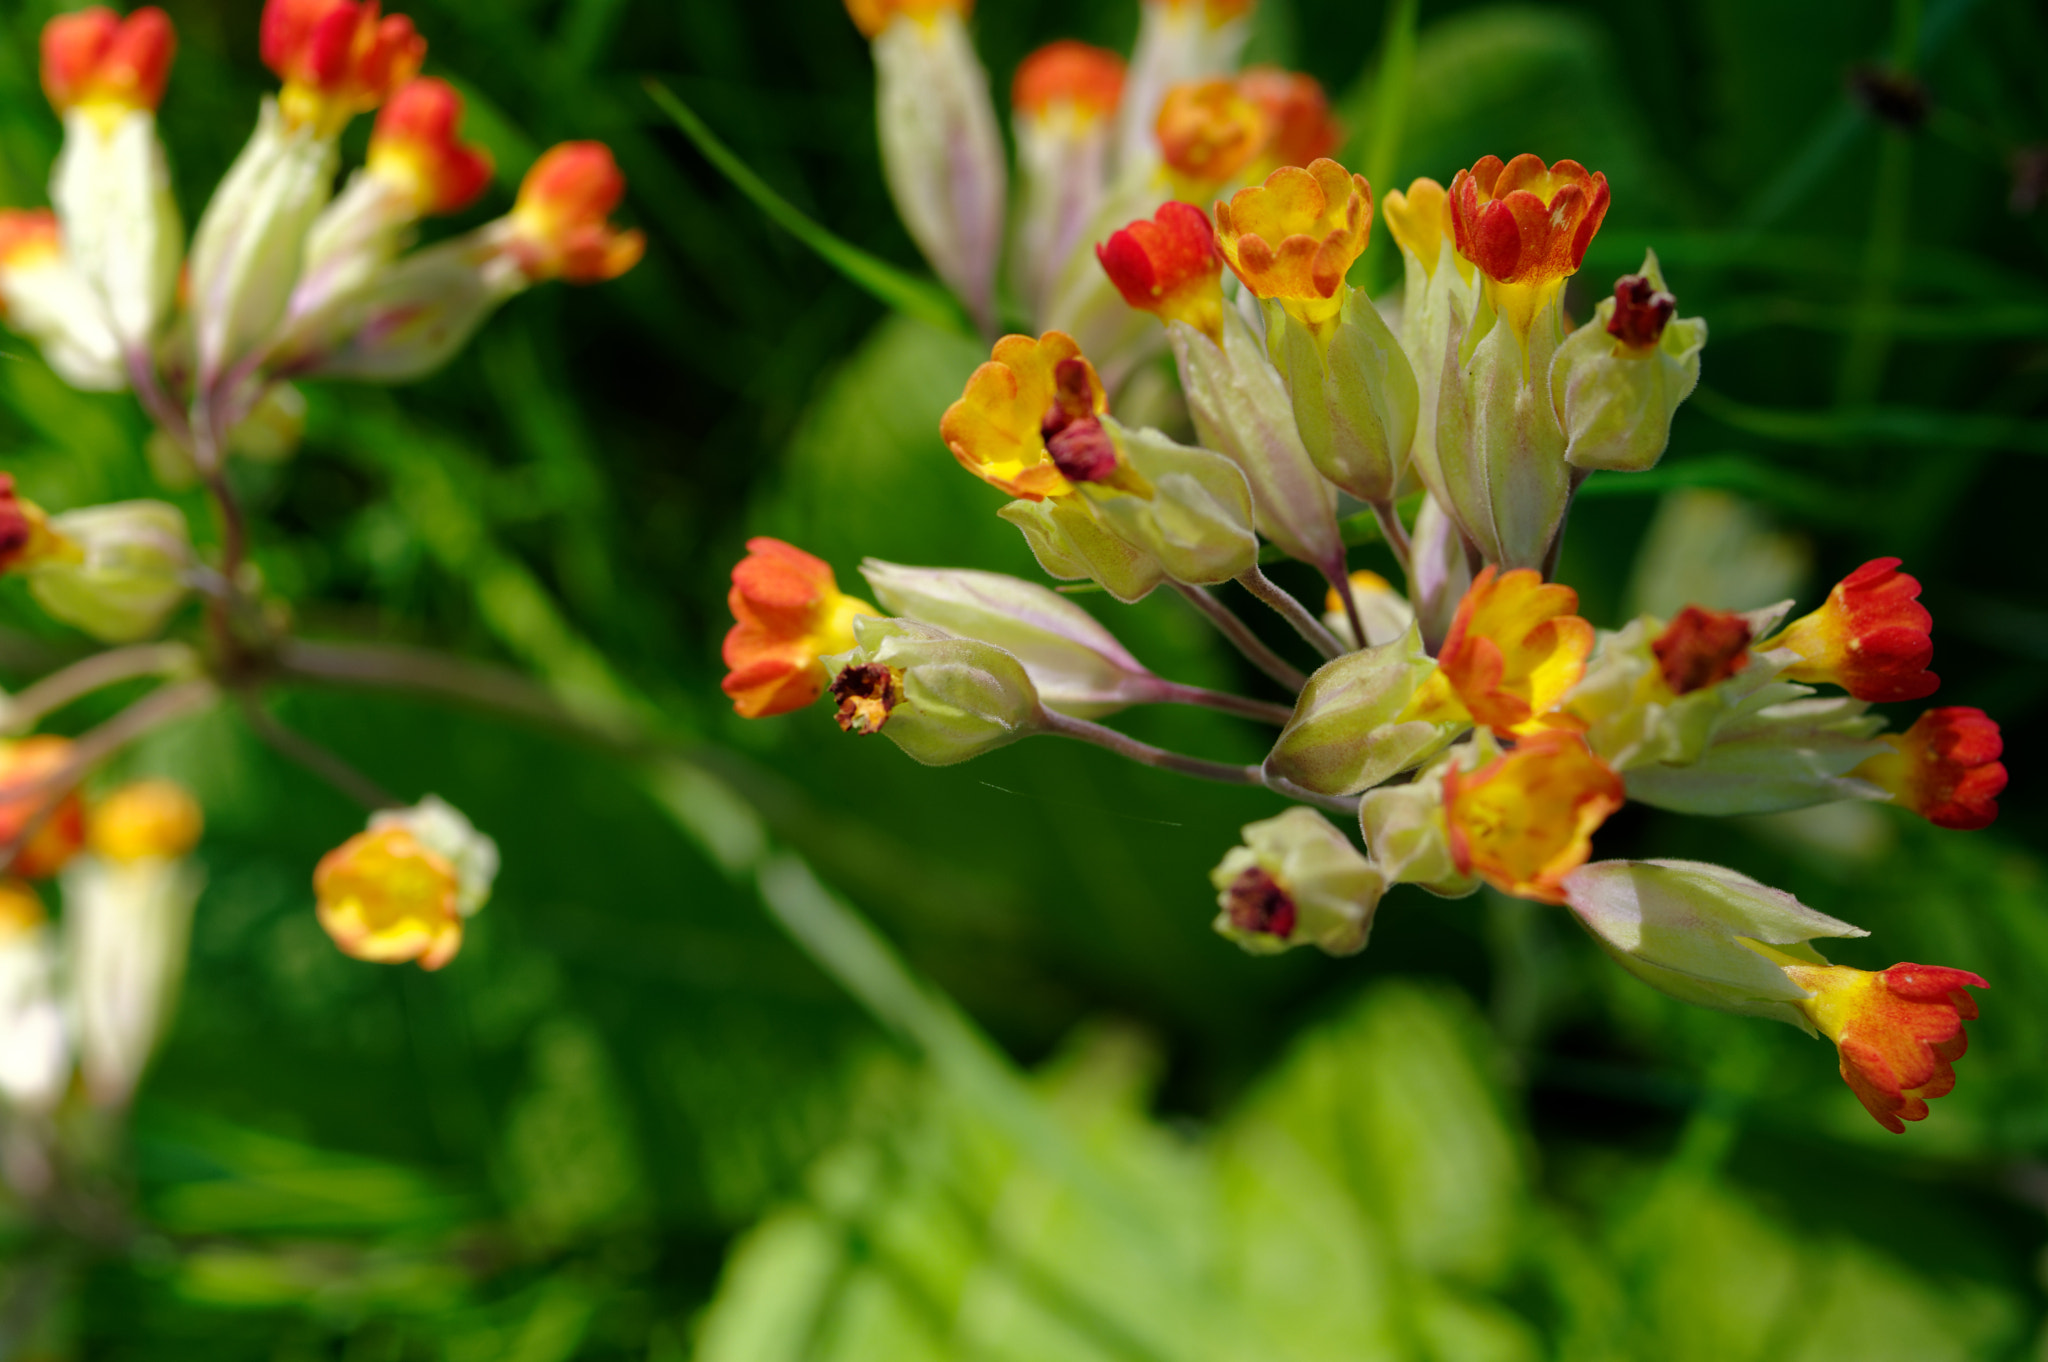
{"points": [[1420, 221], [1515, 647], [1168, 267], [53, 822], [415, 146], [148, 819], [789, 612], [1209, 132], [872, 16], [559, 227], [95, 58], [1299, 128], [1068, 74], [1525, 820], [1944, 768], [1700, 648], [1899, 1031], [1871, 638], [1641, 312], [1026, 422], [337, 58], [1294, 237], [1526, 226], [384, 896]]}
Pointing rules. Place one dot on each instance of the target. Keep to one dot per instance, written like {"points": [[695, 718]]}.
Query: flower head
{"points": [[1299, 126], [1944, 768], [1514, 649], [1900, 1031], [1700, 648], [144, 820], [1294, 237], [337, 58], [1026, 422], [1526, 226], [1870, 638], [872, 16], [788, 612], [1084, 81], [415, 146], [95, 59], [402, 888], [1525, 821], [1168, 266], [1641, 312], [1209, 132], [48, 823], [559, 227]]}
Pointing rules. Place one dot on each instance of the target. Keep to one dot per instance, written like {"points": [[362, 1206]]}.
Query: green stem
{"points": [[1241, 636], [1297, 615]]}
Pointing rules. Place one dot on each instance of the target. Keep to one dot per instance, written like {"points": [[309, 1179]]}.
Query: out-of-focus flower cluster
{"points": [[1475, 730]]}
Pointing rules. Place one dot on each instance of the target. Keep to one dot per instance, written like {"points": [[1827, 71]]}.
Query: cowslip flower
{"points": [[1944, 768], [1299, 126], [117, 571], [871, 17], [559, 228], [1210, 133], [45, 299], [1294, 237], [1899, 1031], [1870, 638], [1515, 648], [1525, 821], [337, 58], [416, 148], [1168, 266], [1420, 221], [402, 889], [46, 826], [98, 61], [1063, 101], [788, 612], [1296, 880], [1526, 226], [1027, 421]]}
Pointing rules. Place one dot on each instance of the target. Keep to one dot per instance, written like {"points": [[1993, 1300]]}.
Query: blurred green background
{"points": [[1057, 1118]]}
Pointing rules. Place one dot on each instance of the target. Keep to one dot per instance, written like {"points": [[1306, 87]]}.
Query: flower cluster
{"points": [[1476, 730]]}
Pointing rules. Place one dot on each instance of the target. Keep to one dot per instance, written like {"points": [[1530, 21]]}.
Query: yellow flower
{"points": [[1294, 237], [386, 898], [1525, 821], [1515, 648], [149, 819], [1029, 424]]}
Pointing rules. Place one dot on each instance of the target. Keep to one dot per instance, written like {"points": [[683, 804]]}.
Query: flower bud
{"points": [[1063, 102], [1168, 267], [128, 910], [1618, 379], [1684, 928], [120, 572], [1295, 881], [1514, 651], [1384, 612], [416, 148], [1525, 821], [1438, 283], [1241, 410], [1526, 226], [44, 823], [940, 698], [1071, 543], [1777, 750], [559, 227], [1187, 508], [1870, 638], [35, 1042], [1944, 768], [110, 184], [401, 889], [788, 613], [1178, 41], [1299, 127], [337, 59], [1077, 666], [47, 300], [1349, 731], [941, 153], [1405, 828], [1210, 136]]}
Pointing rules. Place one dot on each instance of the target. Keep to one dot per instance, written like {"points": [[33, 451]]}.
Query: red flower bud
{"points": [[415, 145], [1944, 768], [95, 57], [1168, 266], [337, 58], [1089, 80], [559, 226], [1871, 638]]}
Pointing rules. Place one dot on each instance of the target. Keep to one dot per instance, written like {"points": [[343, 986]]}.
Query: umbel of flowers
{"points": [[294, 272], [1474, 731]]}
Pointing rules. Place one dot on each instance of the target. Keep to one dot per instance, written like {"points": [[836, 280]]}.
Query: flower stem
{"points": [[303, 751], [1255, 580], [46, 696], [1393, 531], [1143, 752], [1174, 693], [1335, 803], [1240, 634]]}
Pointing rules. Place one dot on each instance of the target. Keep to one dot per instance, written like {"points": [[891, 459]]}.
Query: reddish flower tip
{"points": [[1900, 1031], [1701, 647], [1526, 223], [1256, 902], [416, 145], [1088, 79], [1168, 266], [560, 227], [1641, 312], [1870, 638], [337, 58], [94, 56], [1945, 767]]}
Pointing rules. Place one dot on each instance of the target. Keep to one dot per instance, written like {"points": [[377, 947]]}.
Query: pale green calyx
{"points": [[1783, 748], [1078, 666], [1343, 737], [941, 698], [1634, 719], [1354, 395], [1680, 926], [1616, 400], [1296, 881], [1195, 516], [1071, 543], [126, 571]]}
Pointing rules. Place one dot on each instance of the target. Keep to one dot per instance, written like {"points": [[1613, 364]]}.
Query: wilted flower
{"points": [[116, 571], [940, 698], [1618, 379], [1295, 881]]}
